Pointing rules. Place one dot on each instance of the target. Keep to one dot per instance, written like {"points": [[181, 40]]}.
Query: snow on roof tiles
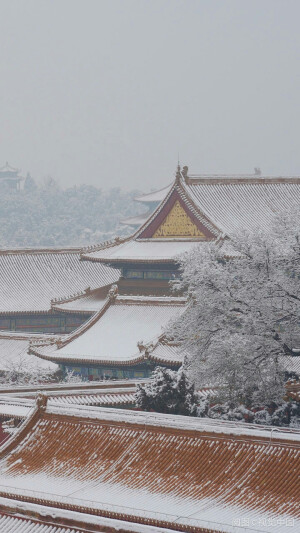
{"points": [[291, 363], [54, 389], [159, 469], [235, 204], [141, 251], [168, 353], [9, 169], [155, 196], [137, 220], [17, 524], [17, 407], [114, 335], [101, 399], [25, 517], [87, 303], [14, 411], [14, 354], [222, 204], [31, 279]]}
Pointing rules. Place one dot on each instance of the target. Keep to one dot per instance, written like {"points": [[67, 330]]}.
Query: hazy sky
{"points": [[107, 92]]}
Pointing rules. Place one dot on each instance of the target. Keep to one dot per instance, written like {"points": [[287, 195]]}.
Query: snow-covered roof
{"points": [[21, 524], [168, 353], [90, 302], [112, 336], [8, 168], [218, 205], [14, 353], [18, 407], [154, 196], [153, 250], [291, 363], [25, 517], [109, 398], [138, 220], [161, 470], [12, 410], [73, 388], [243, 203], [30, 279]]}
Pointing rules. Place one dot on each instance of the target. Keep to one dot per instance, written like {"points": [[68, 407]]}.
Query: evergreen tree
{"points": [[168, 392]]}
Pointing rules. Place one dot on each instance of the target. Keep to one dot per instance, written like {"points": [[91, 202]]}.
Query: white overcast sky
{"points": [[107, 92]]}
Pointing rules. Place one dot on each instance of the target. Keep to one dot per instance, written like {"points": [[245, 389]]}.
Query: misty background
{"points": [[106, 93], [46, 215]]}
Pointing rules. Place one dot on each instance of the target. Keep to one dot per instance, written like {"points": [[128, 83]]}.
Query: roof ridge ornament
{"points": [[185, 172], [257, 171], [113, 292], [41, 401], [181, 173], [178, 173]]}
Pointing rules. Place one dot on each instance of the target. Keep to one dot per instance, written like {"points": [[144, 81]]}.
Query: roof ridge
{"points": [[139, 198], [238, 179], [37, 251], [194, 424], [102, 246]]}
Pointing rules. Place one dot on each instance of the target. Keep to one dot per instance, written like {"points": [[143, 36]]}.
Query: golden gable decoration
{"points": [[177, 224]]}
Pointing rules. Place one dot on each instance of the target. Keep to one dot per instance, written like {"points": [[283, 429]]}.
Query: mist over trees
{"points": [[47, 215]]}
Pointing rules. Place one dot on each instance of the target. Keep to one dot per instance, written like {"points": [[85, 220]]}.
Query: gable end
{"points": [[176, 220]]}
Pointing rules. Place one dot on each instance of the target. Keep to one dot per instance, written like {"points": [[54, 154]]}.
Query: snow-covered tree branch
{"points": [[244, 312]]}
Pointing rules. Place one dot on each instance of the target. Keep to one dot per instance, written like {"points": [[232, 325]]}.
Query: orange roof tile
{"points": [[171, 471]]}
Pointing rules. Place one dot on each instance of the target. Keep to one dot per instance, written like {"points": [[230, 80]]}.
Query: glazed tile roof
{"points": [[11, 410], [87, 303], [168, 353], [18, 407], [291, 363], [180, 472], [25, 517], [139, 251], [112, 336], [110, 398], [138, 220], [17, 524], [55, 389], [31, 279], [236, 203], [155, 196], [222, 205], [151, 250], [14, 353]]}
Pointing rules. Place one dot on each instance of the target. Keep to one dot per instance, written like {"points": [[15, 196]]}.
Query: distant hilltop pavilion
{"points": [[10, 178]]}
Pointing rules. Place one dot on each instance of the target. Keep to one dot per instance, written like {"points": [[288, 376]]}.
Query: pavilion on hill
{"points": [[125, 336], [10, 178]]}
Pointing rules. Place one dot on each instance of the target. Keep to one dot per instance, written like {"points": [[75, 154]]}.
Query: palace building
{"points": [[69, 462], [33, 282], [124, 336], [10, 178]]}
